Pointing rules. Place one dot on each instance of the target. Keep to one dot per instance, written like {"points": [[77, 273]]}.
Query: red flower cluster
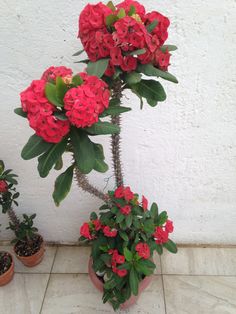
{"points": [[110, 233], [83, 104], [87, 229], [124, 192], [40, 113], [143, 250], [161, 234], [117, 259], [3, 186], [53, 72], [124, 35]]}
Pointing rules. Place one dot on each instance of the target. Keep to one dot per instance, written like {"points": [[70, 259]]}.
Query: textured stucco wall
{"points": [[181, 154]]}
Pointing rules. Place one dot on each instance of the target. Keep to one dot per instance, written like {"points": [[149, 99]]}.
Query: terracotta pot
{"points": [[8, 275], [33, 260], [99, 285]]}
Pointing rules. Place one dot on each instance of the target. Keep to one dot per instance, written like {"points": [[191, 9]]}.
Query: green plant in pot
{"points": [[6, 267], [29, 245]]}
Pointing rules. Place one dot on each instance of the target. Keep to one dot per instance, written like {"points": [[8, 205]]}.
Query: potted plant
{"points": [[6, 268], [29, 245], [124, 238]]}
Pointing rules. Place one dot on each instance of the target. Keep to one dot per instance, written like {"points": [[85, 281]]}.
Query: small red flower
{"points": [[169, 226], [144, 203], [97, 224], [128, 194], [120, 259], [85, 231], [3, 186], [121, 272], [126, 210], [51, 73], [143, 250], [108, 232], [160, 235], [119, 192]]}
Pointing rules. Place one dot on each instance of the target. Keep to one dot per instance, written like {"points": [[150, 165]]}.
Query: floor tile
{"points": [[44, 267], [200, 261], [67, 294], [24, 294], [71, 260], [200, 294]]}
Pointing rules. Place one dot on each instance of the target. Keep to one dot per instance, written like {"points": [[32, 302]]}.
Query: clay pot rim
{"points": [[11, 267], [30, 256]]}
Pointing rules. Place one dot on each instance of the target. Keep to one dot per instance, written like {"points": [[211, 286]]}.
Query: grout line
{"points": [[41, 308], [163, 287]]}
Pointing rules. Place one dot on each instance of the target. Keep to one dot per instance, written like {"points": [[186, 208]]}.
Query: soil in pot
{"points": [[6, 268], [30, 253]]}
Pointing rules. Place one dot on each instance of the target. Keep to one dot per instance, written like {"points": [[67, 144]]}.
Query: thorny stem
{"points": [[13, 218], [84, 184], [115, 138]]}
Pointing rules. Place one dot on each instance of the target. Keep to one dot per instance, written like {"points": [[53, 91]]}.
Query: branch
{"points": [[13, 218]]}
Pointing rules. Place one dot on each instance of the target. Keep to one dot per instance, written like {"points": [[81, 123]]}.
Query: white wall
{"points": [[181, 154]]}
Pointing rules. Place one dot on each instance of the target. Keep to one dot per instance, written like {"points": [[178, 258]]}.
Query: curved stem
{"points": [[13, 218], [116, 139], [84, 184]]}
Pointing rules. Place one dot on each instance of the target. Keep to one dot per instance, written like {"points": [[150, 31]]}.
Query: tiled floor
{"points": [[195, 281]]}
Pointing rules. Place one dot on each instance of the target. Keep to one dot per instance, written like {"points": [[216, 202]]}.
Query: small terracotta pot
{"points": [[33, 260], [8, 275], [99, 285]]}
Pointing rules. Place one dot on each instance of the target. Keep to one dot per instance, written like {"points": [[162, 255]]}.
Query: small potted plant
{"points": [[29, 245], [6, 268], [124, 239]]}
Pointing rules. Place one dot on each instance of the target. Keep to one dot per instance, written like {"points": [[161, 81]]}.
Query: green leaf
{"points": [[93, 216], [121, 13], [159, 249], [137, 52], [162, 218], [133, 281], [114, 102], [63, 185], [83, 150], [133, 78], [35, 147], [78, 53], [100, 128], [77, 80], [128, 254], [114, 111], [2, 166], [152, 26], [48, 159], [59, 164], [148, 263], [124, 236], [99, 164], [61, 89], [119, 217], [51, 94], [111, 6], [154, 210], [132, 10], [60, 116], [168, 47], [97, 68], [171, 246], [149, 226], [142, 269], [150, 70], [20, 112], [151, 90], [111, 19], [128, 220]]}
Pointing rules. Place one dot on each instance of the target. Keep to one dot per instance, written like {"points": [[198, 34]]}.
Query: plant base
{"points": [[99, 285]]}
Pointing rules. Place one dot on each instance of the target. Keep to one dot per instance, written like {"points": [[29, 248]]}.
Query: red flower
{"points": [[129, 64], [144, 203], [97, 224], [120, 259], [85, 231], [40, 113], [162, 59], [108, 232], [128, 194], [161, 29], [116, 56], [140, 10], [126, 210], [121, 272], [51, 73], [3, 186], [161, 236], [169, 226], [143, 250], [119, 192]]}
